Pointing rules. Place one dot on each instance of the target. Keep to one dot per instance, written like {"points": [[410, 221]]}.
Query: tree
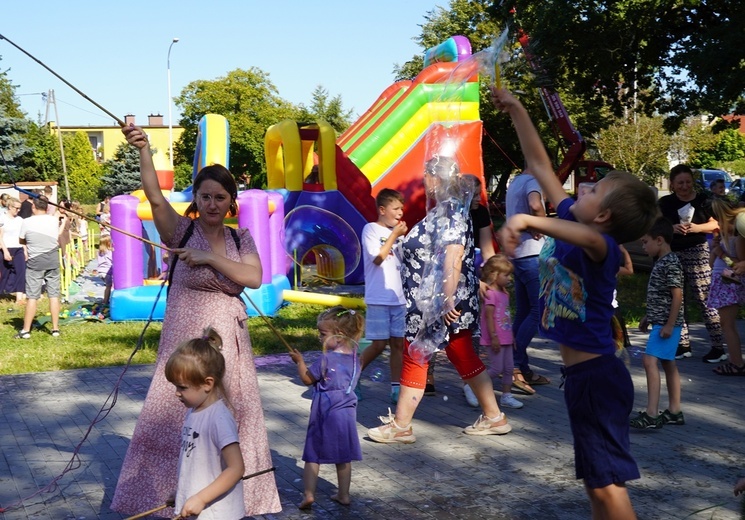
{"points": [[324, 109], [121, 174], [43, 162], [639, 146], [12, 144], [250, 103], [672, 57], [83, 172], [8, 101]]}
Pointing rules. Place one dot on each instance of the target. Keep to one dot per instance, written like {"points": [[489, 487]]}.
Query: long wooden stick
{"points": [[86, 217], [119, 121], [274, 330], [171, 504], [148, 513]]}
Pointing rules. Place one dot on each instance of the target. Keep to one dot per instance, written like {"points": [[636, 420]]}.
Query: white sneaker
{"points": [[390, 432], [509, 401], [470, 396], [486, 426]]}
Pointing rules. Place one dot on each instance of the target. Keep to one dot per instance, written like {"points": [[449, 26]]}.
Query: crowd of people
{"points": [[426, 290], [32, 234]]}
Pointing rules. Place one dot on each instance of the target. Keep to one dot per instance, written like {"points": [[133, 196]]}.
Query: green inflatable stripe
{"points": [[378, 113], [414, 100]]}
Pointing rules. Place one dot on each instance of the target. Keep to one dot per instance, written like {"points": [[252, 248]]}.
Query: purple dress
{"points": [[199, 297], [332, 426]]}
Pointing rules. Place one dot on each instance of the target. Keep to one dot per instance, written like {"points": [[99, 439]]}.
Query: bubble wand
{"points": [[119, 121]]}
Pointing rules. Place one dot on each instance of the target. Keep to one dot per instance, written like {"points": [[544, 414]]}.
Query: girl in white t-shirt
{"points": [[210, 467]]}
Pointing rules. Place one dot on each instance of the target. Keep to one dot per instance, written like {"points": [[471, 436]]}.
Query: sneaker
{"points": [[509, 401], [394, 394], [55, 333], [643, 421], [486, 426], [22, 334], [683, 352], [715, 355], [390, 432], [668, 417], [429, 389], [470, 396]]}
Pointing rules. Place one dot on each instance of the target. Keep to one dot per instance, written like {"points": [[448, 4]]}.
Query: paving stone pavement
{"points": [[687, 471]]}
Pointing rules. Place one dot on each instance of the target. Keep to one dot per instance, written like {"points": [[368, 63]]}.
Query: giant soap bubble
{"points": [[334, 243]]}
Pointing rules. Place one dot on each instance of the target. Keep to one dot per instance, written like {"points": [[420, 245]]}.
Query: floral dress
{"points": [[199, 297], [422, 271]]}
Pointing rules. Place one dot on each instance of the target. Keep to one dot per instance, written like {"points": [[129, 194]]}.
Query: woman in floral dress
{"points": [[211, 271]]}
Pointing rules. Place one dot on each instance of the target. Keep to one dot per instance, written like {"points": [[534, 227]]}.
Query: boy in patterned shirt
{"points": [[665, 314]]}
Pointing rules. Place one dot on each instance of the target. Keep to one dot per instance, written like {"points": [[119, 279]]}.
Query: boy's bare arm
{"points": [[677, 302], [536, 158], [590, 240], [398, 230]]}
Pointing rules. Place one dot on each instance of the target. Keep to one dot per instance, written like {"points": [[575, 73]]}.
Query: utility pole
{"points": [[52, 100]]}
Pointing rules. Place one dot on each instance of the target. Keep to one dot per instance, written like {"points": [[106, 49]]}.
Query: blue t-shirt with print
{"points": [[576, 293]]}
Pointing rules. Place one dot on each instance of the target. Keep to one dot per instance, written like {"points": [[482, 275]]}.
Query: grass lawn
{"points": [[86, 344], [89, 344]]}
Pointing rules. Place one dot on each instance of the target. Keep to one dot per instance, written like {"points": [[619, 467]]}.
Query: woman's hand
{"points": [[682, 229], [135, 136], [451, 317], [193, 257], [644, 324]]}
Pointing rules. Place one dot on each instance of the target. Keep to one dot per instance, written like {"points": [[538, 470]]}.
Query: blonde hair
{"points": [[632, 204], [497, 264], [105, 245], [347, 322], [726, 213], [196, 360]]}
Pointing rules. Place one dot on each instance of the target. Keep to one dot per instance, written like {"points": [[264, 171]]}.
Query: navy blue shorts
{"points": [[599, 396]]}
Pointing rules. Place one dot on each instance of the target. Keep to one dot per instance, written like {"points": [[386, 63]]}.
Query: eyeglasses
{"points": [[14, 207]]}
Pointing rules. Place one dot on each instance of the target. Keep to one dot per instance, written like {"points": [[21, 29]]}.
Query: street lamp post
{"points": [[170, 124]]}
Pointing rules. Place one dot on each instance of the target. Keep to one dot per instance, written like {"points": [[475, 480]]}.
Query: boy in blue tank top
{"points": [[578, 267]]}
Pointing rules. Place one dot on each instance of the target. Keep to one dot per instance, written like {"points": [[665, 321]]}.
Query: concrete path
{"points": [[527, 474]]}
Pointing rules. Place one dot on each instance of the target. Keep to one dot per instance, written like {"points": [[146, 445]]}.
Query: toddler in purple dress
{"points": [[332, 426]]}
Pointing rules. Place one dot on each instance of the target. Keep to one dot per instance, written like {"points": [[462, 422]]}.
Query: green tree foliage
{"points": [[250, 102], [83, 172], [639, 147], [8, 101], [121, 174], [324, 109], [44, 161], [673, 57], [13, 144]]}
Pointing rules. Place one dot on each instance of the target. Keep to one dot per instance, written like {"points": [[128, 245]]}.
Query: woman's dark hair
{"points": [[678, 169], [219, 174]]}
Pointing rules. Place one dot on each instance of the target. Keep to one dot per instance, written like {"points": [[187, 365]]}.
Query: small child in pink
{"points": [[496, 325]]}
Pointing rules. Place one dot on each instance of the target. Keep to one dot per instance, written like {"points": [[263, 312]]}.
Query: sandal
{"points": [[729, 369], [536, 379], [519, 382]]}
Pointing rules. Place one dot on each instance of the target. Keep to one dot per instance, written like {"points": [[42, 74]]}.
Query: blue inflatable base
{"points": [[136, 303]]}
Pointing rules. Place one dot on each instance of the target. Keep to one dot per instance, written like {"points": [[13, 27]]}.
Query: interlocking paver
{"points": [[445, 475]]}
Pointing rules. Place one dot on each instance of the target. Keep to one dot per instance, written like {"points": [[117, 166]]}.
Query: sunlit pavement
{"points": [[528, 474]]}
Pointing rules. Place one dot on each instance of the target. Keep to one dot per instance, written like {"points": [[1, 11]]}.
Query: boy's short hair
{"points": [[715, 182], [661, 228], [386, 196], [633, 206]]}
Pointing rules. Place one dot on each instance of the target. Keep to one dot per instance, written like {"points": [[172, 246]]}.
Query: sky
{"points": [[116, 52]]}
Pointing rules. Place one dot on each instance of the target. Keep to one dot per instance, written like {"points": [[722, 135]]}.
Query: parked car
{"points": [[705, 177], [737, 188]]}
